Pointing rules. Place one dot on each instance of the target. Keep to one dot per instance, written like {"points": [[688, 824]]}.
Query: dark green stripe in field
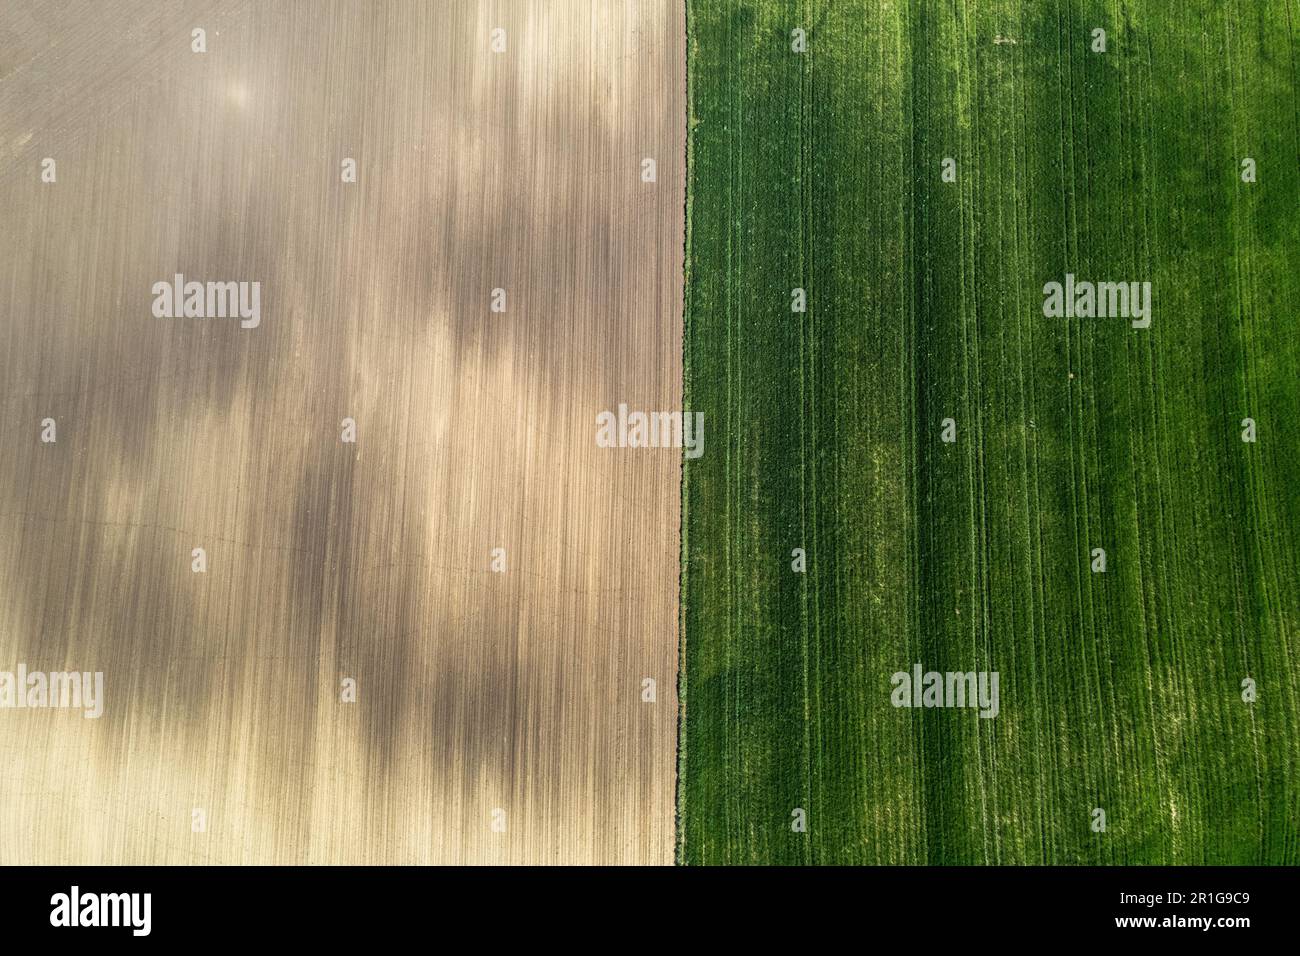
{"points": [[1120, 690]]}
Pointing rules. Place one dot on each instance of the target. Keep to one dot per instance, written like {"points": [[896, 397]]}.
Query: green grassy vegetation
{"points": [[1120, 690]]}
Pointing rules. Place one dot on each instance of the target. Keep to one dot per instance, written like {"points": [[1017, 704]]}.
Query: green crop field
{"points": [[1126, 691]]}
